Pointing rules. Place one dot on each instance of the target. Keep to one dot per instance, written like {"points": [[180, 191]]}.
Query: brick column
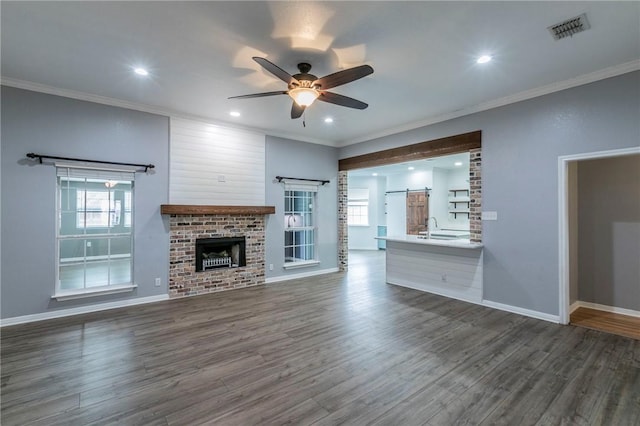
{"points": [[343, 230], [475, 184]]}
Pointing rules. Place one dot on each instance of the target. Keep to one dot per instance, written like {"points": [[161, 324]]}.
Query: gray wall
{"points": [[291, 158], [363, 237], [609, 230], [520, 148], [46, 124]]}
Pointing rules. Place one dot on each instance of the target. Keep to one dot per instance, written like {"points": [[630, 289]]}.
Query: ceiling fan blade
{"points": [[275, 70], [334, 98], [259, 95], [296, 110], [342, 77]]}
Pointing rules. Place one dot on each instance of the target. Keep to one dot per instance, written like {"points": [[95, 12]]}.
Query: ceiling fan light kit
{"points": [[303, 96], [305, 88]]}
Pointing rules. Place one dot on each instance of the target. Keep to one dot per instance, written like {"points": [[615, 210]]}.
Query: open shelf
{"points": [[459, 199]]}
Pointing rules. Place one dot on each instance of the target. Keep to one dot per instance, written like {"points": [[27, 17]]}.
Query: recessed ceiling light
{"points": [[374, 174], [484, 59], [328, 120], [141, 71], [411, 167], [234, 114], [458, 163]]}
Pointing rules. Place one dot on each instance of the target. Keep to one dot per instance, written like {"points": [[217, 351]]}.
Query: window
{"points": [[299, 232], [97, 209], [94, 230], [358, 207]]}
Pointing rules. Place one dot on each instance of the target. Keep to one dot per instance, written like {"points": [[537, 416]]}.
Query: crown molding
{"points": [[151, 109], [605, 73]]}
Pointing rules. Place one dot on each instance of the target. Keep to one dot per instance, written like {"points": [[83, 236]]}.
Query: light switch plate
{"points": [[489, 215]]}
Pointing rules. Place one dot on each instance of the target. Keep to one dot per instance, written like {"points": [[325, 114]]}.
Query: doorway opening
{"points": [[599, 239], [390, 199]]}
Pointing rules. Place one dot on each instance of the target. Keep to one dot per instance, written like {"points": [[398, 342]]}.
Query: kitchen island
{"points": [[451, 268]]}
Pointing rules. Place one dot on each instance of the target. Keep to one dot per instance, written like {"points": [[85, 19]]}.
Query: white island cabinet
{"points": [[451, 268]]}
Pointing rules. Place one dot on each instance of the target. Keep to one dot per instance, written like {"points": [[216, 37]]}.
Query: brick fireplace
{"points": [[190, 223]]}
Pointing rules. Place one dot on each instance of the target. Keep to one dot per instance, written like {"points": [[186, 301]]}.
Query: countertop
{"points": [[413, 239], [448, 233]]}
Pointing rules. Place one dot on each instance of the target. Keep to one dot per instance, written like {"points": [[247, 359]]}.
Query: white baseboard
{"points": [[301, 275], [60, 313], [575, 305], [605, 308], [489, 304], [522, 311]]}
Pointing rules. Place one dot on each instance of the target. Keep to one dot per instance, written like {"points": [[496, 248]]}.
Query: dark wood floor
{"points": [[340, 348]]}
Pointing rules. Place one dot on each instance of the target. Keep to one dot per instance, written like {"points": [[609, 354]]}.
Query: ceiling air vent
{"points": [[569, 27]]}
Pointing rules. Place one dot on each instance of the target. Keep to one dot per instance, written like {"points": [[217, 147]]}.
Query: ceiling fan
{"points": [[305, 88]]}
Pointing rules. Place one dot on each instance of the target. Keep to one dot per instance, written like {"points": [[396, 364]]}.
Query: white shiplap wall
{"points": [[452, 272], [215, 165]]}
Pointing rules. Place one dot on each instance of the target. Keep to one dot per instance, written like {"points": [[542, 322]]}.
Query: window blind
{"points": [[296, 185], [69, 171]]}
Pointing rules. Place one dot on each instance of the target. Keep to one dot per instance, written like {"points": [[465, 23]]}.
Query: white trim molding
{"points": [[602, 74], [605, 308], [104, 100], [563, 220], [301, 264], [90, 292], [60, 313], [575, 305], [592, 77], [522, 311], [301, 275]]}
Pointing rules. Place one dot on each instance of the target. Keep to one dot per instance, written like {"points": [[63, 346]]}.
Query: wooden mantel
{"points": [[178, 209]]}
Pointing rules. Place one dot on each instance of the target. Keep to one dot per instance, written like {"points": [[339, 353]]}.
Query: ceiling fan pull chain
{"points": [[304, 118]]}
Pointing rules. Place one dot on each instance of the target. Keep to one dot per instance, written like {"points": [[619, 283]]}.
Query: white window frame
{"points": [[298, 222], [65, 174], [358, 201]]}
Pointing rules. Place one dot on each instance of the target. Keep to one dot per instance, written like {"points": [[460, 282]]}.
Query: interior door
{"points": [[417, 212]]}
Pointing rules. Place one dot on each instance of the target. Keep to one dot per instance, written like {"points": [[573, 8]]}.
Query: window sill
{"points": [[358, 226], [302, 264], [99, 291]]}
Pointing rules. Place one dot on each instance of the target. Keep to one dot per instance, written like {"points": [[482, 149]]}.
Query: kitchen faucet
{"points": [[435, 221]]}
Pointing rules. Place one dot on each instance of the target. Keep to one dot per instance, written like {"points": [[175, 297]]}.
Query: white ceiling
{"points": [[423, 54]]}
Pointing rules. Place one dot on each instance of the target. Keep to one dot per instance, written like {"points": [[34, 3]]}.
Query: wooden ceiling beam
{"points": [[419, 151]]}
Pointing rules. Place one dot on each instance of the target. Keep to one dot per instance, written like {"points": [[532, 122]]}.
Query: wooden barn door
{"points": [[417, 212]]}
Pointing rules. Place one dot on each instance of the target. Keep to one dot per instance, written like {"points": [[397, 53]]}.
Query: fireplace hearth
{"points": [[212, 253]]}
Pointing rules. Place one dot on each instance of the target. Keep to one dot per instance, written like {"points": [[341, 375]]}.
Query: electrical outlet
{"points": [[222, 178], [88, 243], [158, 282], [444, 278], [271, 266]]}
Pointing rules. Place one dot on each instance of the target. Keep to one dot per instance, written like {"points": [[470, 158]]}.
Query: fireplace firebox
{"points": [[214, 253]]}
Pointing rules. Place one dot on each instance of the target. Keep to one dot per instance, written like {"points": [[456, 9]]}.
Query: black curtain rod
{"points": [[322, 182], [40, 157], [409, 190]]}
